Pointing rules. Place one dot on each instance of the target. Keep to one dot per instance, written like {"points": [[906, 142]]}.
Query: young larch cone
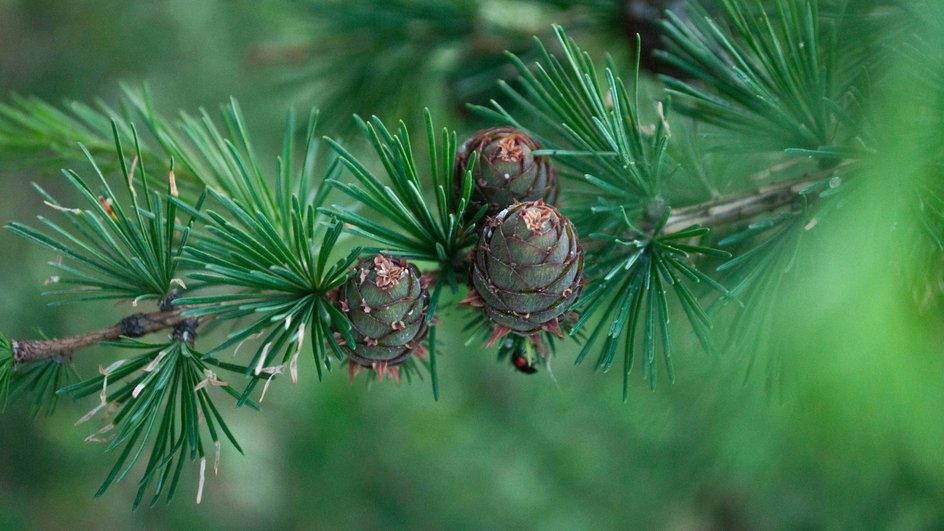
{"points": [[506, 170], [527, 269], [386, 301]]}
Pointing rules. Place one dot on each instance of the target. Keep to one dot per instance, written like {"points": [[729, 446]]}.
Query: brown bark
{"points": [[61, 349]]}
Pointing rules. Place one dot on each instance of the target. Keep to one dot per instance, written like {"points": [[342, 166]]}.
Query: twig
{"points": [[742, 206], [137, 325]]}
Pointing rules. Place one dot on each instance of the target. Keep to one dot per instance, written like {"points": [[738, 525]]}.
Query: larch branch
{"points": [[61, 349], [741, 206]]}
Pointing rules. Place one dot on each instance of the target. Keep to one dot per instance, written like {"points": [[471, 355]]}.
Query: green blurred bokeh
{"points": [[853, 440]]}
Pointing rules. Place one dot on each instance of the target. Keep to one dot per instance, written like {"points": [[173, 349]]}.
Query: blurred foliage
{"points": [[854, 441], [394, 58]]}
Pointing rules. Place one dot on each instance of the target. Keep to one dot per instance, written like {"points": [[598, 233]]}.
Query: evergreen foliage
{"points": [[184, 217]]}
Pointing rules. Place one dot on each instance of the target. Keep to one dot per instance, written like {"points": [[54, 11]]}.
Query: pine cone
{"points": [[386, 301], [527, 269], [506, 170]]}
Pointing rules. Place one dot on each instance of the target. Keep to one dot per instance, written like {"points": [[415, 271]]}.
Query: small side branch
{"points": [[739, 207], [137, 325]]}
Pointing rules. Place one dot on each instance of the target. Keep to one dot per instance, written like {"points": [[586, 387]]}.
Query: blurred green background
{"points": [[853, 439]]}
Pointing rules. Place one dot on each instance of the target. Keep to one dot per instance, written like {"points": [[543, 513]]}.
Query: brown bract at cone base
{"points": [[527, 270], [386, 301]]}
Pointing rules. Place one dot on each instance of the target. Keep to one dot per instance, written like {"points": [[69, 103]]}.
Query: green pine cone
{"points": [[506, 170], [386, 301], [527, 269]]}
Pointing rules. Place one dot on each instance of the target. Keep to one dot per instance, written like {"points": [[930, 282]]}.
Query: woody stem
{"points": [[742, 206], [137, 325]]}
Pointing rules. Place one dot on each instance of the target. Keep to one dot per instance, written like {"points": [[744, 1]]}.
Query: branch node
{"points": [[167, 303], [186, 331], [135, 325]]}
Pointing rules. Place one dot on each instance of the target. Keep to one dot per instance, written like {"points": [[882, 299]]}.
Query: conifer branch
{"points": [[742, 206], [61, 349]]}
